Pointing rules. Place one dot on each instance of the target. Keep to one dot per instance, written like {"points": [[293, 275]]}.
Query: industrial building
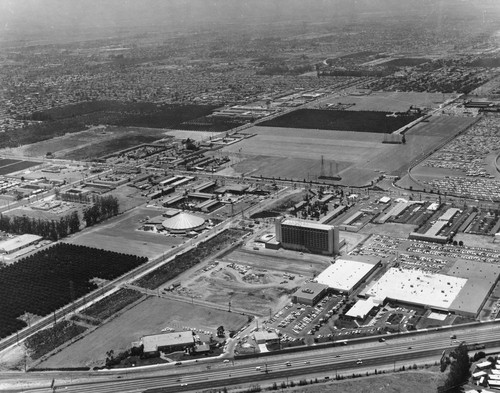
{"points": [[347, 273], [463, 291], [307, 236], [310, 293], [19, 242]]}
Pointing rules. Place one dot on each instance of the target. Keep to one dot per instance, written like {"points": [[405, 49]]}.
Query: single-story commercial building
{"points": [[265, 337], [168, 342], [19, 242], [348, 272], [310, 293]]}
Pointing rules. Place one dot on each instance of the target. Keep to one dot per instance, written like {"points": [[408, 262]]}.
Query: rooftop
{"points": [[361, 308], [417, 287], [18, 242], [346, 272], [310, 290], [153, 342], [306, 224]]}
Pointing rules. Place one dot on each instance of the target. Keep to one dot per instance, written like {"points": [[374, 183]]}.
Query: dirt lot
{"points": [[121, 234], [253, 280], [148, 317], [391, 101]]}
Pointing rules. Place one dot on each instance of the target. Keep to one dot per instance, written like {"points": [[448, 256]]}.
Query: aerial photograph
{"points": [[215, 196]]}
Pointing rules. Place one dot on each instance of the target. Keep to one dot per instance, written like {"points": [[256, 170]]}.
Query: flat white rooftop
{"points": [[417, 287], [361, 308], [345, 274], [18, 242], [306, 224]]}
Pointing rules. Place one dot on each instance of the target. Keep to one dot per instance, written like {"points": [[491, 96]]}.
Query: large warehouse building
{"points": [[463, 290], [348, 272], [307, 236]]}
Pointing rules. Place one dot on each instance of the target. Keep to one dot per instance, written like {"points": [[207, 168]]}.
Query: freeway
{"points": [[327, 362]]}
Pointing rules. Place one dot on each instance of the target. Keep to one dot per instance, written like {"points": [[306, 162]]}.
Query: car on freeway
{"points": [[288, 364], [359, 361], [178, 363]]}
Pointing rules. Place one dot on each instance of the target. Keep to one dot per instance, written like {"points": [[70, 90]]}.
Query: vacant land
{"points": [[408, 382], [359, 121], [121, 234], [389, 101], [358, 158], [148, 317], [253, 280], [90, 144]]}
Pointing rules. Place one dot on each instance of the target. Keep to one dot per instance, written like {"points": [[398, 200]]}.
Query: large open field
{"points": [[89, 144], [120, 234], [358, 158], [389, 101], [8, 166], [147, 317]]}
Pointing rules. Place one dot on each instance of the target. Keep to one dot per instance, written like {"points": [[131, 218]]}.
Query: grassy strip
{"points": [[108, 306], [49, 339]]}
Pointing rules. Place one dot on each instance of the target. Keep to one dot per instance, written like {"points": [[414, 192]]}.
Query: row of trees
{"points": [[103, 208], [54, 277], [52, 230]]}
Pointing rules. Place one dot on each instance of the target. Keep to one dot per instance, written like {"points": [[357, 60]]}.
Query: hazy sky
{"points": [[76, 16]]}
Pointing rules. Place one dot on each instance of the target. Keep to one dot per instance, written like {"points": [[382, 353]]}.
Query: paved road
{"points": [[321, 363]]}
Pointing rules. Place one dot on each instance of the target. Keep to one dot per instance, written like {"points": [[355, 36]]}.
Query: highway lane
{"points": [[337, 359]]}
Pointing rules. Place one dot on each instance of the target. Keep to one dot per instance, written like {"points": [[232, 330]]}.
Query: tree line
{"points": [[48, 229], [102, 209]]}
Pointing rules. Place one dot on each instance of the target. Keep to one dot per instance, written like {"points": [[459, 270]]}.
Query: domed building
{"points": [[184, 223]]}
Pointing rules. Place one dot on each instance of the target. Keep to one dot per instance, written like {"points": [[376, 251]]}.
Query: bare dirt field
{"points": [[390, 101], [253, 280], [121, 234], [148, 317], [359, 158], [478, 241]]}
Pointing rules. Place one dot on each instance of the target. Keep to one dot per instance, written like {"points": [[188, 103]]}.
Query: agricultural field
{"points": [[89, 144], [122, 234], [147, 317], [8, 166], [50, 279], [358, 158], [359, 121]]}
